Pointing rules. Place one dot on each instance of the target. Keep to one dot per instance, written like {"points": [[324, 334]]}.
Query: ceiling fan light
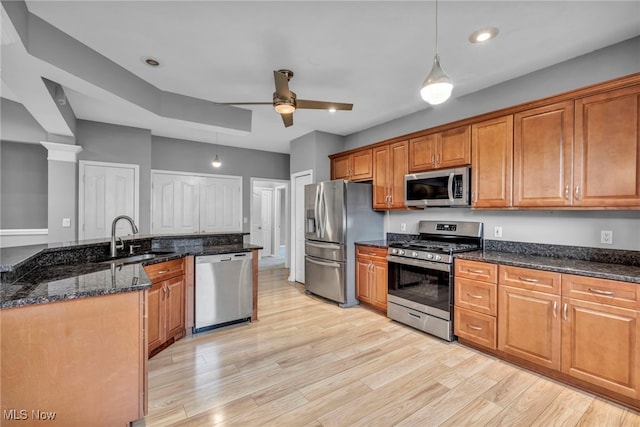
{"points": [[437, 87], [216, 163], [285, 108]]}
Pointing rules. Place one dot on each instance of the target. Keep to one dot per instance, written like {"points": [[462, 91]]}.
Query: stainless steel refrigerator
{"points": [[337, 214]]}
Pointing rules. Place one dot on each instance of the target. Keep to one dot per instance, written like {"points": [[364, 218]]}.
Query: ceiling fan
{"points": [[285, 101]]}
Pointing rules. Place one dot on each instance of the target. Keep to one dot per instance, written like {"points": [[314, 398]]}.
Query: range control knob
{"points": [[394, 251], [438, 258], [400, 251], [429, 256], [414, 254]]}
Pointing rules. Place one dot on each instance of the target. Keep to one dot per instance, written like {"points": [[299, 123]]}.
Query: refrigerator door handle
{"points": [[316, 211], [323, 214], [323, 245], [323, 263]]}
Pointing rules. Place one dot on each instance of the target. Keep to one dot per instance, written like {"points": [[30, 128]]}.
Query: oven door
{"points": [[421, 285]]}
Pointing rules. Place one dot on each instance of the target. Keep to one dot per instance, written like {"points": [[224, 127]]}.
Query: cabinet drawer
{"points": [[475, 295], [527, 278], [371, 251], [165, 270], [475, 327], [476, 270], [603, 291]]}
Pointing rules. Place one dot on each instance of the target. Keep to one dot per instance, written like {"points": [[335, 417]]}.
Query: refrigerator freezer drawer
{"points": [[324, 250], [325, 278]]}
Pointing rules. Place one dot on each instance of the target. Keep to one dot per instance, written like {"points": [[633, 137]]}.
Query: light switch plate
{"points": [[66, 222]]}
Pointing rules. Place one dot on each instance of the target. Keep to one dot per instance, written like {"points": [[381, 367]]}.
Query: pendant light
{"points": [[216, 163], [437, 87]]}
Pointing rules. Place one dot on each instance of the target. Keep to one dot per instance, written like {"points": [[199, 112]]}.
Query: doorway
{"points": [[269, 226], [298, 181]]}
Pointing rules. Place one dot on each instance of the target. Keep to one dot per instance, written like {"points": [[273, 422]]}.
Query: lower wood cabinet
{"points": [[372, 276], [578, 329], [165, 304]]}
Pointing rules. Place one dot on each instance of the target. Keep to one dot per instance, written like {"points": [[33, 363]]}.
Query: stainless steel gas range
{"points": [[421, 275]]}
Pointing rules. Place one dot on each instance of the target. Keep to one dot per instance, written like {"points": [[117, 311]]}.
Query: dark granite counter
{"points": [[569, 265], [383, 244], [49, 273]]}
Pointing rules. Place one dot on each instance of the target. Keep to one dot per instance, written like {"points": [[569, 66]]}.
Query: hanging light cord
{"points": [[436, 27]]}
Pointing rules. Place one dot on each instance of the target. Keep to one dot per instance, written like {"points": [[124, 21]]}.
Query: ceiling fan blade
{"points": [[322, 105], [287, 119], [245, 103], [282, 84]]}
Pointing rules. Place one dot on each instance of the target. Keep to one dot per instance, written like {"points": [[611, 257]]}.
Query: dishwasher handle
{"points": [[211, 259]]}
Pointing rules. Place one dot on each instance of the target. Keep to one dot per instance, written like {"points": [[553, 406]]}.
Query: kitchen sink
{"points": [[132, 259]]}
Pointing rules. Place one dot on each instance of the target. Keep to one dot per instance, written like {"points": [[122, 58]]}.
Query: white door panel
{"points": [[220, 204]]}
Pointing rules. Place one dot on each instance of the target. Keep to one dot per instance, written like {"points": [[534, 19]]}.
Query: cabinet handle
{"points": [[163, 271], [555, 309], [474, 296], [601, 292], [433, 159], [475, 328], [474, 271], [567, 192], [164, 292], [565, 309], [528, 280], [438, 158], [577, 192]]}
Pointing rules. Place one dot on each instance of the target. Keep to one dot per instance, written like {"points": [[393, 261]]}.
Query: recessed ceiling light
{"points": [[483, 35], [332, 110], [152, 62]]}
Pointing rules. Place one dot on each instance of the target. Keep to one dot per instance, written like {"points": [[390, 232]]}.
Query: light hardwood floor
{"points": [[307, 362]]}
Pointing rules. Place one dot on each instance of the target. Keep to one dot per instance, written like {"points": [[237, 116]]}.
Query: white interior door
{"points": [[299, 180], [266, 213], [106, 190], [220, 204], [175, 204]]}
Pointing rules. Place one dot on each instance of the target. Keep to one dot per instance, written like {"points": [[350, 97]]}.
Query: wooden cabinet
{"points": [[476, 303], [355, 166], [600, 333], [492, 163], [543, 156], [529, 315], [449, 148], [371, 276], [165, 304], [607, 149], [389, 168]]}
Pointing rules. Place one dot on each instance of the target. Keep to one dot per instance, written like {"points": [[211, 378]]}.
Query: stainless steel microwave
{"points": [[444, 187]]}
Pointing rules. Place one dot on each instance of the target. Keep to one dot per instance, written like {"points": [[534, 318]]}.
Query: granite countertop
{"points": [[602, 270], [383, 244], [88, 272]]}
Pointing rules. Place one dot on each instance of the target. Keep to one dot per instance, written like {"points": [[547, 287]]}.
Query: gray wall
{"points": [[575, 228], [190, 156], [23, 186], [120, 144], [311, 151], [18, 125]]}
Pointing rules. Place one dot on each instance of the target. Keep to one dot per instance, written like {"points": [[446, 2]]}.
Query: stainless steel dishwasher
{"points": [[224, 290]]}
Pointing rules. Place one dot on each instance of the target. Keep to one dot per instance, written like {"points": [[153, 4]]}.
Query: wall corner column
{"points": [[62, 191]]}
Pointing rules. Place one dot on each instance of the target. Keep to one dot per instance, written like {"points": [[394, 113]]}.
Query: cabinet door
{"points": [[607, 149], [475, 327], [381, 177], [341, 167], [155, 317], [174, 306], [175, 204], [399, 154], [454, 148], [600, 345], [529, 325], [362, 169], [542, 156], [363, 276], [379, 283], [220, 204], [492, 163], [422, 153]]}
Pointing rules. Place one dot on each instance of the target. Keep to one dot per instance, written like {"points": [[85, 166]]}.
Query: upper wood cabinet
{"points": [[449, 148], [542, 156], [492, 163], [389, 168], [607, 149], [355, 166]]}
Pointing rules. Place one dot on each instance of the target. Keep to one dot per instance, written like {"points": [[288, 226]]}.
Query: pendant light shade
{"points": [[216, 163], [437, 87]]}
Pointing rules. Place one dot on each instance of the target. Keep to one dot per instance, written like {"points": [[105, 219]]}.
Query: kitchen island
{"points": [[74, 326]]}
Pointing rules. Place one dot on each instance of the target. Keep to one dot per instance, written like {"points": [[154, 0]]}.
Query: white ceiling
{"points": [[374, 54]]}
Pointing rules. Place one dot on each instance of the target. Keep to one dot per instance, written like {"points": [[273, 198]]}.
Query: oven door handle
{"points": [[419, 263]]}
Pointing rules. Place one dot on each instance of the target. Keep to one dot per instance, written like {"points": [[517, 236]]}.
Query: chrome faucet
{"points": [[114, 246]]}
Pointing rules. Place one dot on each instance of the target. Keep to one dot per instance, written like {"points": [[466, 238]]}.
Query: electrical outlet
{"points": [[606, 237], [497, 231], [403, 227], [66, 222]]}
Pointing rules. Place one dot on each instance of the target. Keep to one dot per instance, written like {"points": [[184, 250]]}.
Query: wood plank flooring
{"points": [[307, 362]]}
